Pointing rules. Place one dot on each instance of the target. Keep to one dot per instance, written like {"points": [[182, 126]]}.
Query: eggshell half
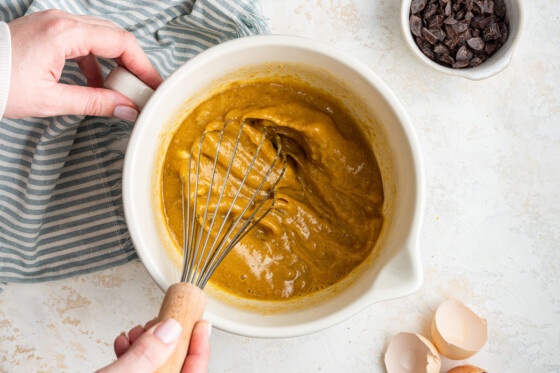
{"points": [[457, 332], [411, 353], [467, 369]]}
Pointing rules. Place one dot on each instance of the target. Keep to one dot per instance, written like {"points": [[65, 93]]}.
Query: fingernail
{"points": [[126, 113], [209, 329], [169, 331]]}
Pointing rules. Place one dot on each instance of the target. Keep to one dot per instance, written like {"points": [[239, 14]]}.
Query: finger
{"points": [[199, 349], [121, 344], [135, 333], [89, 66], [150, 323], [66, 99], [149, 351], [118, 43]]}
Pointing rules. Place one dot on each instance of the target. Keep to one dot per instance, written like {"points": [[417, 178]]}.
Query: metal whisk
{"points": [[194, 271], [206, 241]]}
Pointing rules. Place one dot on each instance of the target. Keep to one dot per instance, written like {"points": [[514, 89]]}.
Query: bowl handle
{"points": [[126, 83]]}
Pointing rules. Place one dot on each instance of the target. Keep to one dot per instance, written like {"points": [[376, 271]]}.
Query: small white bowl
{"points": [[494, 65], [396, 272]]}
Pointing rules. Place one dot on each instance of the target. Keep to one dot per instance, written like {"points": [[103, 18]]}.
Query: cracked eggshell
{"points": [[457, 332], [466, 369], [411, 353]]}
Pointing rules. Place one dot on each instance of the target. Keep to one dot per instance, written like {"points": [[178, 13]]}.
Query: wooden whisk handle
{"points": [[184, 303]]}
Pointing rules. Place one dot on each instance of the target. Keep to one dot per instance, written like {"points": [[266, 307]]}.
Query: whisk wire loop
{"points": [[224, 240], [228, 172], [185, 251], [193, 272], [209, 194], [243, 230], [232, 224]]}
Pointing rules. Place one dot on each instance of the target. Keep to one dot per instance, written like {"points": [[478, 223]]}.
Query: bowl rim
{"points": [[411, 248], [485, 70]]}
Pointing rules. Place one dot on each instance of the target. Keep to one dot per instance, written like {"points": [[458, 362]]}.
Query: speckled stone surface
{"points": [[491, 234]]}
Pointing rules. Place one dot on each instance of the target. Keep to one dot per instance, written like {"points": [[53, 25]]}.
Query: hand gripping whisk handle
{"points": [[185, 303]]}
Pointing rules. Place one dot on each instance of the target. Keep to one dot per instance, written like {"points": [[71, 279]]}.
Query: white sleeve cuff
{"points": [[5, 65]]}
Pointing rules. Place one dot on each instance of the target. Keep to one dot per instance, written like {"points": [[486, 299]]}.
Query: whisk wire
{"points": [[237, 195], [193, 272], [225, 237], [239, 237], [242, 232], [208, 197], [186, 258], [221, 193], [185, 251], [232, 204]]}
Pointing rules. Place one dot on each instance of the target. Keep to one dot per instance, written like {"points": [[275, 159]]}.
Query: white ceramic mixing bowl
{"points": [[395, 272]]}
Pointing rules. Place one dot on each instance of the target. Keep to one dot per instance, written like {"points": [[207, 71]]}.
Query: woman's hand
{"points": [[43, 41], [146, 348]]}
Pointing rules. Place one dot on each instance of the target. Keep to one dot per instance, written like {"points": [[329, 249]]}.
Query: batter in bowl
{"points": [[328, 211]]}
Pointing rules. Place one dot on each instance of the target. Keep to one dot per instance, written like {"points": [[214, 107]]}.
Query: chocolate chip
{"points": [[491, 47], [491, 32], [476, 43], [487, 7], [485, 22], [460, 64], [475, 21], [416, 6], [416, 25], [450, 21], [435, 21], [462, 53], [450, 31], [477, 7], [464, 36], [459, 33], [475, 62], [445, 58], [425, 47], [430, 11], [460, 27], [452, 43], [503, 32], [429, 36], [483, 56], [500, 8], [438, 32], [441, 49]]}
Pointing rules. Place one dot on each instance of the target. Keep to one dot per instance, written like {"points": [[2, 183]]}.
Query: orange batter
{"points": [[328, 212]]}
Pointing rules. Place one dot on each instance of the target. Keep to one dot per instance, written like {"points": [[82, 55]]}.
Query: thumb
{"points": [[149, 351], [77, 100]]}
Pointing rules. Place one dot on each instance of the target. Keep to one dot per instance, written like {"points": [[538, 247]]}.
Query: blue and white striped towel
{"points": [[60, 178]]}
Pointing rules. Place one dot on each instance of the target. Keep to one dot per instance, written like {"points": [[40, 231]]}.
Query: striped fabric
{"points": [[61, 211]]}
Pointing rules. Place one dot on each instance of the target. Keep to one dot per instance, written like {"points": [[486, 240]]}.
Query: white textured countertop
{"points": [[491, 233]]}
